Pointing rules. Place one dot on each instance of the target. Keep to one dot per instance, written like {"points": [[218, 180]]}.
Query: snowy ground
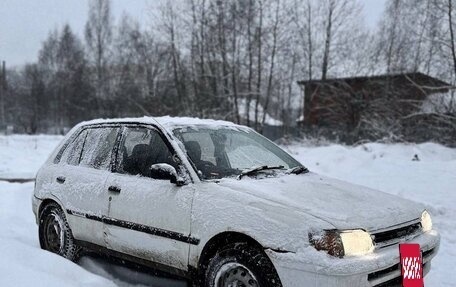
{"points": [[22, 155], [431, 180]]}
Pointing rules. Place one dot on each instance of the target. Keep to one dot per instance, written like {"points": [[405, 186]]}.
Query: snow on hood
{"points": [[341, 204]]}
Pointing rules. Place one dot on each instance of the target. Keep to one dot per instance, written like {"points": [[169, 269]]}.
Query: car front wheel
{"points": [[241, 265], [55, 233]]}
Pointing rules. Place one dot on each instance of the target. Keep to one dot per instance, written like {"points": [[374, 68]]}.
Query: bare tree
{"points": [[328, 38], [169, 24], [236, 60], [452, 39], [98, 36], [275, 28], [259, 43], [235, 70], [340, 25], [250, 60]]}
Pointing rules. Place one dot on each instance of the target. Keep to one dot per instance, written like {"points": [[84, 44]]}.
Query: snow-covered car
{"points": [[221, 205]]}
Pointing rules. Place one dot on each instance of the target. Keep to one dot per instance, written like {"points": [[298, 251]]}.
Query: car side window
{"points": [[140, 148], [72, 153], [98, 147]]}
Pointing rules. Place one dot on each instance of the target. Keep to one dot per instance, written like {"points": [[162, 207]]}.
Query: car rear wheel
{"points": [[240, 265], [55, 233]]}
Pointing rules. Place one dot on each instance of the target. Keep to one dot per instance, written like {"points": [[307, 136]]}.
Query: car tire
{"points": [[55, 234], [241, 265]]}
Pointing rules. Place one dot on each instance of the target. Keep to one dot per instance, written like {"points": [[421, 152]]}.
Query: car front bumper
{"points": [[381, 268]]}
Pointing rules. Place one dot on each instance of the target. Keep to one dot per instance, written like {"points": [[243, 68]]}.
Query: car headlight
{"points": [[343, 243], [426, 221]]}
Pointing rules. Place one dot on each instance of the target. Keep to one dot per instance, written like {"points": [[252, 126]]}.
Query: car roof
{"points": [[167, 122]]}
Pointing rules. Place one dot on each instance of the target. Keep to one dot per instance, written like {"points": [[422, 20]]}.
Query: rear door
{"points": [[148, 217], [82, 178]]}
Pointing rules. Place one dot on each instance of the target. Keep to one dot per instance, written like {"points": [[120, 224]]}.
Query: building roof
{"points": [[416, 77]]}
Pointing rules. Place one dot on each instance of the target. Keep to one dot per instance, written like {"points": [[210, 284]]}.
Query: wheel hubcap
{"points": [[53, 230], [235, 275]]}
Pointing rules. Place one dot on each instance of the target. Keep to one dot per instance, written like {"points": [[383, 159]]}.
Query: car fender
{"points": [[218, 209]]}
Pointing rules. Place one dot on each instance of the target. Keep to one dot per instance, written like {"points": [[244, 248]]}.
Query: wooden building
{"points": [[344, 103]]}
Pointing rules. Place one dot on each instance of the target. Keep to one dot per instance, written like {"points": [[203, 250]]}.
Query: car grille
{"points": [[396, 282], [390, 276], [393, 236]]}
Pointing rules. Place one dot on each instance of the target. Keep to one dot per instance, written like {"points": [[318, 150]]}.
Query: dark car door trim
{"points": [[137, 263], [138, 227]]}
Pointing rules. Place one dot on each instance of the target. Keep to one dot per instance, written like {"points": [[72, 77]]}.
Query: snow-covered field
{"points": [[22, 155], [431, 180]]}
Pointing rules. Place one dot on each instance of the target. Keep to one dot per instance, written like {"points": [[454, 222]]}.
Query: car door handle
{"points": [[60, 179], [113, 188]]}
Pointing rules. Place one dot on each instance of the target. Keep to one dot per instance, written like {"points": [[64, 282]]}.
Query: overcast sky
{"points": [[25, 24]]}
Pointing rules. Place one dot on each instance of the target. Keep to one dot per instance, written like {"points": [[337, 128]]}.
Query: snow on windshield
{"points": [[225, 152]]}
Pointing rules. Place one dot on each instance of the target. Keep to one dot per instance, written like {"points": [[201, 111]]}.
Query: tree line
{"points": [[237, 60]]}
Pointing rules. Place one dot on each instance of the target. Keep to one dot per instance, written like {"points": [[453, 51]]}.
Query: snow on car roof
{"points": [[171, 122], [168, 122]]}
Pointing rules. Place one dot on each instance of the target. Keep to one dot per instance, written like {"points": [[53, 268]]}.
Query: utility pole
{"points": [[2, 95]]}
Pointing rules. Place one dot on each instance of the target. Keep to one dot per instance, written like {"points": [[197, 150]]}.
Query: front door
{"points": [[148, 217]]}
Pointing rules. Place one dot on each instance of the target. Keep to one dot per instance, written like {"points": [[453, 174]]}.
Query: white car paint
{"points": [[152, 203], [277, 212], [84, 193]]}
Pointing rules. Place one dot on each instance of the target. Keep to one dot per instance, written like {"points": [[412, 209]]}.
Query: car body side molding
{"points": [[138, 227], [136, 263]]}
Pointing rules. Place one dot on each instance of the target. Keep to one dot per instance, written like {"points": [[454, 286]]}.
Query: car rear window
{"points": [[98, 147], [72, 154]]}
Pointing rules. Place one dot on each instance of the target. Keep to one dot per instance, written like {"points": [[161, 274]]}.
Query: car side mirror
{"points": [[166, 172]]}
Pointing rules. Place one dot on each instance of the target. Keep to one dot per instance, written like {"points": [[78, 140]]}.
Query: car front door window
{"points": [[140, 149]]}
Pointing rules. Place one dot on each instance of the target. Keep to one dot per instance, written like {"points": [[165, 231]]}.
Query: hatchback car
{"points": [[221, 205]]}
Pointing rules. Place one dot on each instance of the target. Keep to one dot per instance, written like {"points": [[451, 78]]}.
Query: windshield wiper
{"points": [[298, 170], [255, 169]]}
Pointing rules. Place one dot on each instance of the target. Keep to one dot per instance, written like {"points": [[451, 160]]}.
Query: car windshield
{"points": [[228, 151]]}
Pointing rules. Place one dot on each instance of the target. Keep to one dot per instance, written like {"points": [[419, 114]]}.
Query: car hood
{"points": [[341, 204]]}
